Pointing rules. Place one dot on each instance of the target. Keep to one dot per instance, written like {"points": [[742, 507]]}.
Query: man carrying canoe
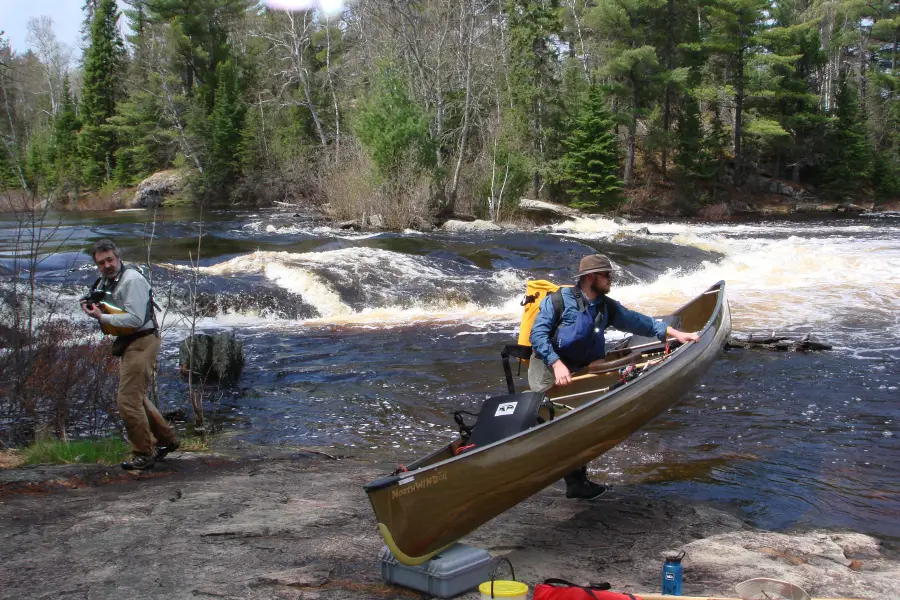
{"points": [[568, 335]]}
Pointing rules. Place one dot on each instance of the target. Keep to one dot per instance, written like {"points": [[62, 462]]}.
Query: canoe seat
{"points": [[501, 417]]}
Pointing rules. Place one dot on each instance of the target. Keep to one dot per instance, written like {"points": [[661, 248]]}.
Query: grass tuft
{"points": [[108, 451], [193, 444]]}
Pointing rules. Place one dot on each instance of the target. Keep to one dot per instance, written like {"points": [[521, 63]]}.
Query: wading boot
{"points": [[161, 451], [139, 462], [579, 486]]}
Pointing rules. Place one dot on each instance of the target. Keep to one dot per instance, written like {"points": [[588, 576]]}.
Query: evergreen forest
{"points": [[417, 109]]}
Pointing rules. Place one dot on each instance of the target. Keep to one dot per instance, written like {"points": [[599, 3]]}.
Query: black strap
{"points": [[556, 582], [558, 305], [516, 351], [612, 309], [551, 410], [465, 431]]}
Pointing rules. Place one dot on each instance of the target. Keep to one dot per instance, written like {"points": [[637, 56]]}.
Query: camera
{"points": [[91, 298]]}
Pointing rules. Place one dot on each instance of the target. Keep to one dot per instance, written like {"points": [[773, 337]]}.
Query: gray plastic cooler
{"points": [[454, 571]]}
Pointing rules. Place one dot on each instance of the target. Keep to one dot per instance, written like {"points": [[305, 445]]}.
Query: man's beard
{"points": [[600, 289]]}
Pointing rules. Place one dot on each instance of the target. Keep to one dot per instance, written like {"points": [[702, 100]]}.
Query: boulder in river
{"points": [[218, 357]]}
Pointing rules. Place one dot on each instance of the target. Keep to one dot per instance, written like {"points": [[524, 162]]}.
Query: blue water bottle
{"points": [[671, 575]]}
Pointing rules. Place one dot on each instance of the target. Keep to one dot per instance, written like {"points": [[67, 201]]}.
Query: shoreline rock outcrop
{"points": [[152, 191]]}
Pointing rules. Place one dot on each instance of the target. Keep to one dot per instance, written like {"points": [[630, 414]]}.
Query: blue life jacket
{"points": [[582, 342]]}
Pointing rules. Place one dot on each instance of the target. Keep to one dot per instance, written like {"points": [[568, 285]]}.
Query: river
{"points": [[366, 342]]}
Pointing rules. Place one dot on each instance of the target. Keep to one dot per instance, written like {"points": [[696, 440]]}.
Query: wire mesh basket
{"points": [[763, 588]]}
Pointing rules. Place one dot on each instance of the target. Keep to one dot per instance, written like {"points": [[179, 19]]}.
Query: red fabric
{"points": [[543, 591]]}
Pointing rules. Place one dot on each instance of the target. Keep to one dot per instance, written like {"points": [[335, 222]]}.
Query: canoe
{"points": [[442, 497]]}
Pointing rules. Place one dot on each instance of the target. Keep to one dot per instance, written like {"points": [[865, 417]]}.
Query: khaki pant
{"points": [[540, 376], [140, 416]]}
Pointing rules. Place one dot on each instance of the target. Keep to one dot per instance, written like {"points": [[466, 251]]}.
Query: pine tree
{"points": [[633, 69], [794, 56], [716, 142], [884, 98], [693, 159], [675, 33], [226, 124], [590, 164], [201, 29], [144, 147], [534, 26], [101, 91], [848, 164], [734, 27], [886, 158], [65, 141], [392, 128]]}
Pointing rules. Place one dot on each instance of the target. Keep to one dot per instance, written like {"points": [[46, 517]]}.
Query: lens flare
{"points": [[329, 7]]}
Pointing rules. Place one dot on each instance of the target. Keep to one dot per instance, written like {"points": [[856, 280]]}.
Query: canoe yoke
{"points": [[501, 417]]}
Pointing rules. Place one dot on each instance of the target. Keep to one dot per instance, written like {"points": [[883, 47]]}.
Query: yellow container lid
{"points": [[503, 588]]}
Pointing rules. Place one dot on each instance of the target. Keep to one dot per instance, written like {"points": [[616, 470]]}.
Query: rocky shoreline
{"points": [[760, 196], [296, 524]]}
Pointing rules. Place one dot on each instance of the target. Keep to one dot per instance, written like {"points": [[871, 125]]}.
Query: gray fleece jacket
{"points": [[132, 294]]}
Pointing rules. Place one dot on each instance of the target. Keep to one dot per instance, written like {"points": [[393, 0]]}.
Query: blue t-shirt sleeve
{"points": [[543, 326], [637, 323]]}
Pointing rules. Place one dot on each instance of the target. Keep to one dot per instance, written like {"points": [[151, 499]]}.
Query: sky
{"points": [[66, 15]]}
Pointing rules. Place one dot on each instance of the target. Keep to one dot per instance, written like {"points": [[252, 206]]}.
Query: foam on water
{"points": [[790, 276], [313, 275], [789, 282], [776, 280], [262, 227], [600, 227]]}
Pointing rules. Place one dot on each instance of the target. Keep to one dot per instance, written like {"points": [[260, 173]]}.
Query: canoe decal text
{"points": [[419, 484]]}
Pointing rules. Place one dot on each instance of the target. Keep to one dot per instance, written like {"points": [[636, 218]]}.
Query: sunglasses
{"points": [[605, 275]]}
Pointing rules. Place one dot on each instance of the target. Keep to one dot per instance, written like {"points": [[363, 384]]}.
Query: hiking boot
{"points": [[139, 462], [584, 490], [579, 486], [161, 451]]}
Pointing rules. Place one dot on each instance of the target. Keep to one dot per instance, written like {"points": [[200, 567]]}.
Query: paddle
{"points": [[605, 365]]}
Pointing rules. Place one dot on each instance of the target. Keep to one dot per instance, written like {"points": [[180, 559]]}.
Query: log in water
{"points": [[776, 342]]}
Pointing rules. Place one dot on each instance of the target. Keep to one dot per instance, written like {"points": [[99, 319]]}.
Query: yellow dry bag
{"points": [[108, 308], [535, 291]]}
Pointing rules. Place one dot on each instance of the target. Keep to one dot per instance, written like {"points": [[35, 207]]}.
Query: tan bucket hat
{"points": [[595, 263]]}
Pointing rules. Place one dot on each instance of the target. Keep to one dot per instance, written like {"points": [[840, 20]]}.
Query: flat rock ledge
{"points": [[300, 527], [470, 226]]}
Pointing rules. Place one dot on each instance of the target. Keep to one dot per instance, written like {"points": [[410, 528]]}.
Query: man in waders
{"points": [[122, 302], [569, 337]]}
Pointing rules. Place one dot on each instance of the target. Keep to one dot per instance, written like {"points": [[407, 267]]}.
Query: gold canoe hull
{"points": [[443, 497]]}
